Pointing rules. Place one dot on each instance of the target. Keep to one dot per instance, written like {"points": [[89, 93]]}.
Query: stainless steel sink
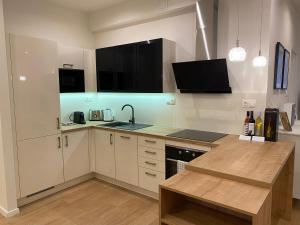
{"points": [[125, 125]]}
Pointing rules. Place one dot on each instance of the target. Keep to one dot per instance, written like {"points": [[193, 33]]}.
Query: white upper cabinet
{"points": [[71, 55], [90, 70], [76, 154], [35, 86], [105, 153]]}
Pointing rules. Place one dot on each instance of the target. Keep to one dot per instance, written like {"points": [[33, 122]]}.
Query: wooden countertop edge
{"points": [[229, 176], [142, 132], [161, 186]]}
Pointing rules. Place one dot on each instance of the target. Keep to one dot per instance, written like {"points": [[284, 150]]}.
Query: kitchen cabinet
{"points": [[76, 154], [126, 158], [71, 55], [90, 70], [105, 153], [151, 157], [35, 87], [142, 67], [40, 164]]}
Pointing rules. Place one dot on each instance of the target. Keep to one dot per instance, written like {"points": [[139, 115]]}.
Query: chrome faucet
{"points": [[132, 120]]}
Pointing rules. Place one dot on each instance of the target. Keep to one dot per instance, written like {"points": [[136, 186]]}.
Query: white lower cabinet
{"points": [[105, 153], [151, 157], [76, 154], [40, 164], [126, 158], [150, 179]]}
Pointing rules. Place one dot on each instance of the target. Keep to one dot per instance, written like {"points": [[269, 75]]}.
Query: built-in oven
{"points": [[71, 80], [178, 157]]}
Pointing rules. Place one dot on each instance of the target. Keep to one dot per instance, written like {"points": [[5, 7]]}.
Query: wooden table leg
{"points": [[282, 192]]}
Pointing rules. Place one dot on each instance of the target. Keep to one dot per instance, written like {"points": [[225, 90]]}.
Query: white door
{"points": [[71, 55], [40, 164], [126, 158], [36, 86], [105, 153], [76, 154]]}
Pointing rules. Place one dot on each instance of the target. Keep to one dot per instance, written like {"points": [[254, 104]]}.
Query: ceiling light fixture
{"points": [[260, 61], [238, 53]]}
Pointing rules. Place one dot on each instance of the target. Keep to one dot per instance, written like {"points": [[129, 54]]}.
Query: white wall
{"points": [[285, 29], [208, 112], [8, 203], [41, 19]]}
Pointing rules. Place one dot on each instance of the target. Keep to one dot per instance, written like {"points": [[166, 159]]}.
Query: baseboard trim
{"points": [[126, 186], [10, 213], [58, 188]]}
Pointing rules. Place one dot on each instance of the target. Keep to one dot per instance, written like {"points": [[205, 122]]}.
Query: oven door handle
{"points": [[172, 160]]}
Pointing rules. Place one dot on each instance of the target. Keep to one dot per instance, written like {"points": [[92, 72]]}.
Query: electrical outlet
{"points": [[171, 101], [249, 103], [88, 99]]}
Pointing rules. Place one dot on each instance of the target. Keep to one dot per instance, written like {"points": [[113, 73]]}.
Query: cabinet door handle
{"points": [[67, 141], [150, 163], [58, 123], [150, 174], [150, 152], [111, 139], [125, 137], [59, 142], [150, 141]]}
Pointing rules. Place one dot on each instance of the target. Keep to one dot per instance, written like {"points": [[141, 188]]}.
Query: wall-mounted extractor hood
{"points": [[208, 76]]}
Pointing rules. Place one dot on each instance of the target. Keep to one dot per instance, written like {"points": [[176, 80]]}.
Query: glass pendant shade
{"points": [[259, 61], [237, 54]]}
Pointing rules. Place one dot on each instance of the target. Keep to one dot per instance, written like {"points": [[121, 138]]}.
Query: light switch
{"points": [[249, 103]]}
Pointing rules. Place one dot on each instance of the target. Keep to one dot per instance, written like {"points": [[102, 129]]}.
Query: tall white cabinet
{"points": [[37, 113], [35, 87]]}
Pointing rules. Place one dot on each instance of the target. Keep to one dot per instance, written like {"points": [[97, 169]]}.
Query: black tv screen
{"points": [[209, 76]]}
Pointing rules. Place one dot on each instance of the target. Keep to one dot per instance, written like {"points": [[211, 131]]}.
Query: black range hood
{"points": [[208, 76]]}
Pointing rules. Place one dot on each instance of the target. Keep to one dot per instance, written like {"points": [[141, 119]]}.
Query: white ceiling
{"points": [[86, 5]]}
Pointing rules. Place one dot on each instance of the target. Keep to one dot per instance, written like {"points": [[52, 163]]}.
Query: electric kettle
{"points": [[108, 115]]}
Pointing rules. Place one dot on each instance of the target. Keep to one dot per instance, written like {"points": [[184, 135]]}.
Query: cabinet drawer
{"points": [[152, 142], [150, 179], [152, 153], [152, 164]]}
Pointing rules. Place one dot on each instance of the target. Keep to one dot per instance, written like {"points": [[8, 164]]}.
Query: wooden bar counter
{"points": [[236, 182]]}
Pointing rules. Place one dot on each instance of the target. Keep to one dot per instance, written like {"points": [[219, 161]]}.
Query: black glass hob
{"points": [[198, 135]]}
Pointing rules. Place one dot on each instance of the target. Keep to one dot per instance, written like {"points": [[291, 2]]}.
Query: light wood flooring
{"points": [[97, 203]]}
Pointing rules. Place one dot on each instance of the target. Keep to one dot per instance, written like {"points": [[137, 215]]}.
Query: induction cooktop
{"points": [[198, 135]]}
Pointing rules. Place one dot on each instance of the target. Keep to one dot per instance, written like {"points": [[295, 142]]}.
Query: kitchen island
{"points": [[237, 182]]}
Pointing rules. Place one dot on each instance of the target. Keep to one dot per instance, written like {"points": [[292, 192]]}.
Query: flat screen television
{"points": [[209, 76]]}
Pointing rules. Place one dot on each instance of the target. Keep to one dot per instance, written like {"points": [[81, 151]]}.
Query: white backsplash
{"points": [[219, 113], [149, 108]]}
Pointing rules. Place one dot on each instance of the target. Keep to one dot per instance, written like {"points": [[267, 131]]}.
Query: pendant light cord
{"points": [[238, 24], [261, 25]]}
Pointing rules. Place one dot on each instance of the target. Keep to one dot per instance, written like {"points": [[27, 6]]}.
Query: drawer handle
{"points": [[150, 174], [67, 141], [125, 137], [150, 152], [59, 142], [150, 163], [58, 123], [150, 141], [111, 139]]}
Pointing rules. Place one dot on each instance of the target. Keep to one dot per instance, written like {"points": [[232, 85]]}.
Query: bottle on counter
{"points": [[251, 124], [259, 126], [246, 124]]}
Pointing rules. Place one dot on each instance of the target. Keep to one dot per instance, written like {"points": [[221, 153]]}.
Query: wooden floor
{"points": [[97, 203]]}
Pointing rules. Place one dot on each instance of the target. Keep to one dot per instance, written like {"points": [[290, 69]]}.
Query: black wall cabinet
{"points": [[136, 67]]}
